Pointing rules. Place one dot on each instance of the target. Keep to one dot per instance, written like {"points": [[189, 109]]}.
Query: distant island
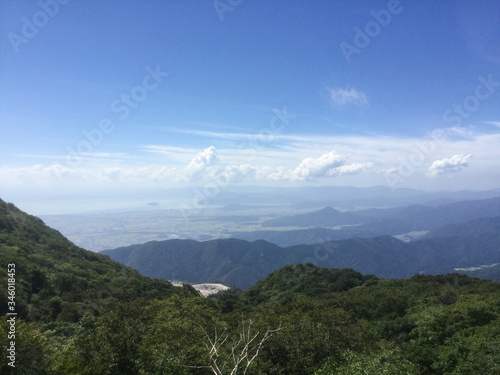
{"points": [[153, 204]]}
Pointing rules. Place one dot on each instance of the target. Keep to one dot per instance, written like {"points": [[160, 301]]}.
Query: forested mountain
{"points": [[241, 263], [56, 284], [235, 262], [82, 313], [300, 236], [424, 325]]}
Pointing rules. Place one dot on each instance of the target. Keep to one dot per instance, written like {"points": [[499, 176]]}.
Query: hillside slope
{"points": [[56, 280], [232, 261]]}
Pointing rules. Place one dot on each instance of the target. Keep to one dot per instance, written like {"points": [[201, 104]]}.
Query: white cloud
{"points": [[340, 96], [327, 165], [313, 168], [357, 159], [448, 165], [199, 165], [204, 159]]}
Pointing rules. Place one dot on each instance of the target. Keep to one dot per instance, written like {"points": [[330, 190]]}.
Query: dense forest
{"points": [[82, 313]]}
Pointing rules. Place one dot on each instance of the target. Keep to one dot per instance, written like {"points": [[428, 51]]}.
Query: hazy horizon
{"points": [[200, 197]]}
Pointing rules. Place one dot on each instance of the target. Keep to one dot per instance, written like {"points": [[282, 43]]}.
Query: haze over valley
{"points": [[255, 213], [405, 232]]}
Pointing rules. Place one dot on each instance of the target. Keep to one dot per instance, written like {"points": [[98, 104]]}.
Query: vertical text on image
{"points": [[11, 314]]}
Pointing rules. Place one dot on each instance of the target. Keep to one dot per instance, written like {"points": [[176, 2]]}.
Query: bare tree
{"points": [[226, 358]]}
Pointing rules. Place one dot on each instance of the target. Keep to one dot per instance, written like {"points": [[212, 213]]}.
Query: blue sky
{"points": [[97, 96]]}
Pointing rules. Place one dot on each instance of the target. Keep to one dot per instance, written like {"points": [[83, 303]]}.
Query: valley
{"points": [[296, 216], [97, 232], [240, 244]]}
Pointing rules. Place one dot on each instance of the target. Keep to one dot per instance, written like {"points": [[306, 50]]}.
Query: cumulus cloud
{"points": [[448, 165], [206, 158], [199, 165], [340, 96], [168, 165], [312, 168], [327, 165], [204, 167]]}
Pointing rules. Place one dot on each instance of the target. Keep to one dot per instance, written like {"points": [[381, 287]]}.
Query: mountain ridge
{"points": [[242, 263], [326, 217], [377, 222]]}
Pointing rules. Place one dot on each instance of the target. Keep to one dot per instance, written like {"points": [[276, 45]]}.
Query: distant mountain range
{"points": [[457, 235], [344, 197], [487, 228], [326, 217], [242, 263], [371, 222]]}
